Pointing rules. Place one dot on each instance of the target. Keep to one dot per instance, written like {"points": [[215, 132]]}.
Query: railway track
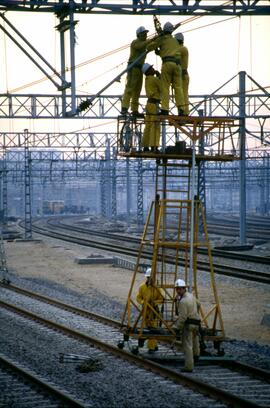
{"points": [[123, 237], [228, 381], [131, 249], [23, 388], [257, 227]]}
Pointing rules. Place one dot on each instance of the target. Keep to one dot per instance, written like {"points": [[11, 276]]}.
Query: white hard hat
{"points": [[180, 283], [145, 67], [168, 27], [179, 37], [147, 273], [141, 30]]}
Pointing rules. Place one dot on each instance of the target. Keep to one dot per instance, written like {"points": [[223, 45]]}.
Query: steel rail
{"points": [[246, 368], [41, 384], [251, 275], [179, 378], [65, 306]]}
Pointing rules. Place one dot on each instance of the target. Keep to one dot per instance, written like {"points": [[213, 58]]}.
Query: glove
{"points": [[157, 74]]}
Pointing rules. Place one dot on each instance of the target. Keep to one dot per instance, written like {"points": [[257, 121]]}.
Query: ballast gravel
{"points": [[117, 384]]}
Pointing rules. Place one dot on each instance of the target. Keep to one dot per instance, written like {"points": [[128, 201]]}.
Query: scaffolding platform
{"points": [[174, 156], [178, 134]]}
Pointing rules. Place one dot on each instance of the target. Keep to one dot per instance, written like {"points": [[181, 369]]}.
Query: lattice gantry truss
{"points": [[175, 228], [146, 7]]}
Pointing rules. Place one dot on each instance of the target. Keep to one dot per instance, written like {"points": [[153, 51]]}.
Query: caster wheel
{"points": [[140, 342], [135, 350], [121, 345]]}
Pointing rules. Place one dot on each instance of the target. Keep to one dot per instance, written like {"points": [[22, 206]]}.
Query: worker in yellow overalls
{"points": [[151, 134], [134, 78], [188, 323], [149, 294], [184, 65], [168, 49]]}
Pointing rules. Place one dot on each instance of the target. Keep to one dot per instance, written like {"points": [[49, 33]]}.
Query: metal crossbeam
{"points": [[145, 7], [91, 146], [22, 106]]}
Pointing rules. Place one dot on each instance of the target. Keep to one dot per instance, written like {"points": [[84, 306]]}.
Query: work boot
{"points": [[186, 370], [181, 112], [137, 114], [124, 111], [164, 112], [146, 149], [154, 149]]}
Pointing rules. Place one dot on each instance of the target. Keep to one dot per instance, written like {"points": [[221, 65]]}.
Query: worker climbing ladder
{"points": [[172, 237]]}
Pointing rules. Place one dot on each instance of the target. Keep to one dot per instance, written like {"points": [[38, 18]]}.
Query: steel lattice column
{"points": [[140, 192], [27, 194], [242, 162], [114, 180], [108, 182], [103, 188], [5, 190], [267, 180]]}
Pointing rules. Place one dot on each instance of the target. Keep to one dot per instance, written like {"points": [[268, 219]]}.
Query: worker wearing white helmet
{"points": [[188, 322], [151, 133], [168, 49], [134, 76], [184, 65], [149, 294]]}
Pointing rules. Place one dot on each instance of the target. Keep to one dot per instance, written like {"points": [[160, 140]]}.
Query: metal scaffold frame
{"points": [[172, 234]]}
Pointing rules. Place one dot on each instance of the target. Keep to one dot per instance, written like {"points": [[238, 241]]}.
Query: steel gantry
{"points": [[146, 7]]}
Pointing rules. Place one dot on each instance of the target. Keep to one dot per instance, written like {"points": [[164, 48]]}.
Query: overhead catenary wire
{"points": [[94, 59]]}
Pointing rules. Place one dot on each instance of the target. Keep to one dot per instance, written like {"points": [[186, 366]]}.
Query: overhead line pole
{"points": [[242, 162]]}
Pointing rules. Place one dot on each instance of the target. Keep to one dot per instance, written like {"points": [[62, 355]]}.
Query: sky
{"points": [[219, 47]]}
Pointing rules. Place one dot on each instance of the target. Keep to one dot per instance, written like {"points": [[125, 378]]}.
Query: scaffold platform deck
{"points": [[178, 134], [170, 156]]}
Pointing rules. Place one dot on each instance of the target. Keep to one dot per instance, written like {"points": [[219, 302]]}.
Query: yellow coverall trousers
{"points": [[133, 89], [191, 345], [171, 74], [151, 133], [185, 84], [151, 321]]}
